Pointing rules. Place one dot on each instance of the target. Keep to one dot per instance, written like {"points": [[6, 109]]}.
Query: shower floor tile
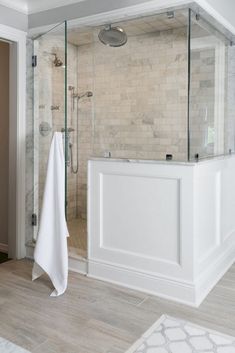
{"points": [[77, 241]]}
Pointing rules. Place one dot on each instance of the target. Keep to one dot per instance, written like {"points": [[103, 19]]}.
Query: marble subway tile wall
{"points": [[72, 178], [202, 102], [212, 129], [78, 117], [141, 96], [86, 119], [230, 99]]}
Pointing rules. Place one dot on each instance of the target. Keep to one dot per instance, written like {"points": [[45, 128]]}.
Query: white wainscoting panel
{"points": [[228, 201], [146, 214], [214, 214], [163, 228], [139, 223], [207, 212]]}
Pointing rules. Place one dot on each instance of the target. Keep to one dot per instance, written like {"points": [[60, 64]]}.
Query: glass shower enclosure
{"points": [[167, 93], [211, 115], [50, 104]]}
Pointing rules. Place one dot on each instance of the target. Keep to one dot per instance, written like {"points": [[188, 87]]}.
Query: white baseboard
{"points": [[191, 294], [4, 248], [78, 264], [182, 292], [213, 273], [187, 293]]}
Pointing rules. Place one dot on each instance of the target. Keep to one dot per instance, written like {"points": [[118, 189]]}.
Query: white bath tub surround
{"points": [[162, 227]]}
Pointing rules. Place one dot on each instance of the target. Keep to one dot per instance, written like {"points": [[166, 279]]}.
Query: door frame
{"points": [[17, 140]]}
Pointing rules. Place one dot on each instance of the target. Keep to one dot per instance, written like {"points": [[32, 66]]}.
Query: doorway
{"points": [[4, 148], [13, 142]]}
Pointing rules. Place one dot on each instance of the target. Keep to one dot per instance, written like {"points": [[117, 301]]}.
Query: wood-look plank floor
{"points": [[93, 316]]}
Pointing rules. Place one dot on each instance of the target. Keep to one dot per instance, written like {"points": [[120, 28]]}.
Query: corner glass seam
{"points": [[65, 116], [189, 82]]}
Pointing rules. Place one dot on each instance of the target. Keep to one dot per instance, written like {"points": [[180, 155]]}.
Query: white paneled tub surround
{"points": [[161, 227]]}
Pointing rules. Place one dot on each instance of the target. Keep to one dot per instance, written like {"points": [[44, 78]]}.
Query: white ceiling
{"points": [[32, 6], [135, 27]]}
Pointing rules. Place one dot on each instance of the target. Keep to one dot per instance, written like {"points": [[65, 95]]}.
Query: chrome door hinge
{"points": [[34, 61], [34, 219]]}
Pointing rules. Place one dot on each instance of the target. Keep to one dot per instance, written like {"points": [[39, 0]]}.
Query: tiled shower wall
{"points": [[139, 107], [80, 118], [212, 92], [230, 99], [202, 99], [208, 128], [141, 96]]}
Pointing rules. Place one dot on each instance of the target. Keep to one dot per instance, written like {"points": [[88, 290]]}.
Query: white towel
{"points": [[51, 251]]}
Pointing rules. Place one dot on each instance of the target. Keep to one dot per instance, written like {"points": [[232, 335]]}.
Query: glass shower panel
{"points": [[124, 102], [141, 91], [229, 126], [80, 122], [50, 103], [211, 114]]}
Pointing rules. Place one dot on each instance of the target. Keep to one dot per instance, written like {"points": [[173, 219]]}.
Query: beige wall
{"points": [[4, 138]]}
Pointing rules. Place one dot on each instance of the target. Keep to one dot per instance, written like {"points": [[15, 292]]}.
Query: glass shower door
{"points": [[50, 104], [211, 108]]}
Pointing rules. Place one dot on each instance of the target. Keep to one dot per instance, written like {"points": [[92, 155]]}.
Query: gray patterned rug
{"points": [[170, 335], [9, 347]]}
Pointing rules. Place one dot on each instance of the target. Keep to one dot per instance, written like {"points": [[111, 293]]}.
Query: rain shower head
{"points": [[113, 36]]}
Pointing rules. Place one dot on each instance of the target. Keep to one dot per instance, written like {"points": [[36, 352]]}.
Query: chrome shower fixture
{"points": [[57, 62], [85, 94], [170, 14], [112, 36], [70, 129]]}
